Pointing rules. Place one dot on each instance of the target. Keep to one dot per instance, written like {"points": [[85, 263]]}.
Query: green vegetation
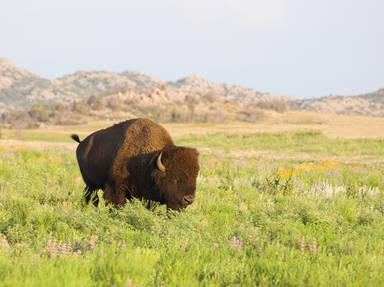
{"points": [[38, 135], [262, 220], [304, 142]]}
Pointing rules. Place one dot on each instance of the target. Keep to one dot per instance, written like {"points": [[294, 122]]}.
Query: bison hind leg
{"points": [[90, 194]]}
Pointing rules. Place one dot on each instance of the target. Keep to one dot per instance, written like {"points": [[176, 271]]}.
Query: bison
{"points": [[137, 159]]}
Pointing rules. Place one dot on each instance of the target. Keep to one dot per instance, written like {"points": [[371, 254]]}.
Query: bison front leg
{"points": [[90, 194], [114, 194]]}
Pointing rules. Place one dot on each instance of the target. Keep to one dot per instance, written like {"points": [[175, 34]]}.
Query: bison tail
{"points": [[76, 138]]}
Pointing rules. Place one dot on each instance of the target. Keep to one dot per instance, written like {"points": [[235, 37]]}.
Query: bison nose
{"points": [[188, 199]]}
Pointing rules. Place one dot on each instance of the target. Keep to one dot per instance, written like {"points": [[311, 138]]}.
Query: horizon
{"points": [[291, 48]]}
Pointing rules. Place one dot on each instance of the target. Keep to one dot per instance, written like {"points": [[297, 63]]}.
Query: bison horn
{"points": [[159, 164]]}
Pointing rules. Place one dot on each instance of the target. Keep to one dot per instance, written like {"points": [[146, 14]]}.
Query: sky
{"points": [[300, 48]]}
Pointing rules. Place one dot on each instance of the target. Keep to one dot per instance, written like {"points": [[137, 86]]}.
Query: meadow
{"points": [[283, 208]]}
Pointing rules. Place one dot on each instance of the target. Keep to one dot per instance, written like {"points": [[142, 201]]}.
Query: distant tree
{"points": [[113, 105], [21, 120], [191, 102], [175, 116], [39, 113], [279, 106], [209, 97], [95, 102], [78, 106]]}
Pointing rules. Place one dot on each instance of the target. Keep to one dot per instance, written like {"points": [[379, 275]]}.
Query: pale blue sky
{"points": [[302, 48]]}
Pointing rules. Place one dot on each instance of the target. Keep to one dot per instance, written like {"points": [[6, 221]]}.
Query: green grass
{"points": [[304, 141], [256, 221], [40, 135]]}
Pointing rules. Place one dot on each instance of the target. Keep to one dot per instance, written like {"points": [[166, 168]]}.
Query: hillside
{"points": [[27, 99], [20, 89], [371, 104], [16, 85]]}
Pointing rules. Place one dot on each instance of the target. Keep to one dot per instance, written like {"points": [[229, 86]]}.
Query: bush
{"points": [[279, 106], [81, 107], [95, 102], [175, 116], [39, 113], [277, 185], [209, 97], [250, 116], [21, 120]]}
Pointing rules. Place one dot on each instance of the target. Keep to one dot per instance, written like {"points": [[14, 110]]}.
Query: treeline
{"points": [[114, 106]]}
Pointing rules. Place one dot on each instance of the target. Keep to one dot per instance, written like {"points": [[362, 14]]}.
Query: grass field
{"points": [[290, 208]]}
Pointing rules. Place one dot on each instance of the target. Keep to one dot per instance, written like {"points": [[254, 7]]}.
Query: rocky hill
{"points": [[28, 99], [21, 89], [370, 104]]}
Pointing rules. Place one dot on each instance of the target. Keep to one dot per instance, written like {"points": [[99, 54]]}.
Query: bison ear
{"points": [[159, 164]]}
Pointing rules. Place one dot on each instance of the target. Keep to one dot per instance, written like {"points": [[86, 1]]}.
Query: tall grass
{"points": [[304, 141], [256, 221]]}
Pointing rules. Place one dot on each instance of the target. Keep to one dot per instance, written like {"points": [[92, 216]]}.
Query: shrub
{"points": [[78, 106], [175, 116], [21, 120], [250, 115], [39, 113], [209, 97], [279, 106], [277, 184], [95, 102]]}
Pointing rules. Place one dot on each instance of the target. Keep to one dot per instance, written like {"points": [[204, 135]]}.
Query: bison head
{"points": [[175, 174]]}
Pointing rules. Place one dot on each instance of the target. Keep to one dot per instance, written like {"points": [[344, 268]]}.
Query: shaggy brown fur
{"points": [[121, 160]]}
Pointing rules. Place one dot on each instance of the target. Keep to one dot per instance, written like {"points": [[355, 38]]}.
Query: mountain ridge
{"points": [[143, 95], [370, 104], [20, 88]]}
